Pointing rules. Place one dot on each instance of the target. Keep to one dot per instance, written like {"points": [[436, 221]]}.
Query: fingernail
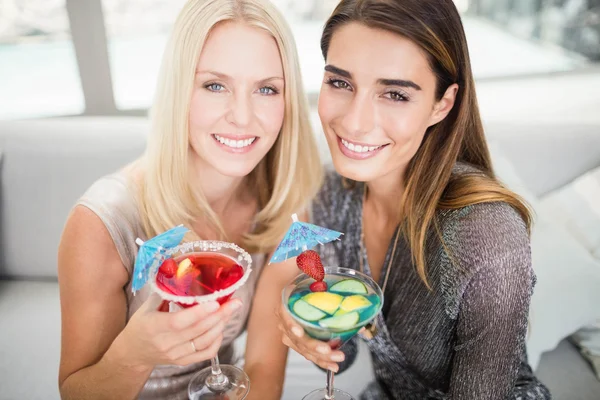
{"points": [[211, 306], [323, 349], [297, 331], [236, 305], [337, 357], [334, 368]]}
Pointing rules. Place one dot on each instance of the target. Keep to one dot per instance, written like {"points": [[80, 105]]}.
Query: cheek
{"points": [[405, 125], [204, 112], [270, 114], [330, 107]]}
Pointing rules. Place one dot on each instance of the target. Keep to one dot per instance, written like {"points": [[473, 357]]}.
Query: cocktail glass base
{"points": [[205, 386], [321, 394]]}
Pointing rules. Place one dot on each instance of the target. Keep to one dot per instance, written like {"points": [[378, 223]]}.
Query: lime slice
{"points": [[307, 312], [340, 312], [324, 301], [341, 322], [349, 286]]}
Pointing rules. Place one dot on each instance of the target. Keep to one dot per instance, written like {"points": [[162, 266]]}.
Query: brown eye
{"points": [[396, 96], [338, 84]]}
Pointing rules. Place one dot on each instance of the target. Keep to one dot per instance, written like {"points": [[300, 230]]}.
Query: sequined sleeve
{"points": [[492, 319]]}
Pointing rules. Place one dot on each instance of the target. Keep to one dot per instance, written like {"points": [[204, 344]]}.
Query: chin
{"points": [[235, 171], [354, 170]]}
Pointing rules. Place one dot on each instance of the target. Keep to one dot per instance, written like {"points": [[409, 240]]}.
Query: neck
{"points": [[220, 191], [384, 194]]}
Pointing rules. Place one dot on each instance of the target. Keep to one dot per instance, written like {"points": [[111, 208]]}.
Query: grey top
{"points": [[112, 199], [464, 339]]}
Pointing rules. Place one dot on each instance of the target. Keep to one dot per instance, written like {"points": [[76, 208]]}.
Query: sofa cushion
{"points": [[587, 340], [576, 207], [29, 340], [566, 294], [47, 165], [548, 156]]}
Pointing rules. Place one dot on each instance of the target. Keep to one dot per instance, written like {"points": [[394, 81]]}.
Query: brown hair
{"points": [[436, 27]]}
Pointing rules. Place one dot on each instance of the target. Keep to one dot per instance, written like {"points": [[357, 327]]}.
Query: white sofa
{"points": [[45, 165]]}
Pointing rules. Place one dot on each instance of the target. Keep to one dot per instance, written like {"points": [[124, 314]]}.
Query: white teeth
{"points": [[358, 148], [235, 144]]}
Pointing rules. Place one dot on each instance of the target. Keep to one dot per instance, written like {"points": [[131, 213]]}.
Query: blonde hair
{"points": [[285, 180]]}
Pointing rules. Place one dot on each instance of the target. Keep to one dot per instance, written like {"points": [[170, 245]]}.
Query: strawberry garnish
{"points": [[168, 268], [318, 286], [310, 263]]}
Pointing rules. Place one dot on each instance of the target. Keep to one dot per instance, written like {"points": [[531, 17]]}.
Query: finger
{"points": [[317, 359], [202, 355], [223, 314], [230, 308], [202, 342], [152, 303], [318, 349], [291, 326], [179, 320], [328, 365], [201, 327], [205, 341]]}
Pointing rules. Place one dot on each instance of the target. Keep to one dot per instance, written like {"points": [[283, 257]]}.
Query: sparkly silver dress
{"points": [[465, 339], [112, 199]]}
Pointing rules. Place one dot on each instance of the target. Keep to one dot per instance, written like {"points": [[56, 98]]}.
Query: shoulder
{"points": [[113, 200], [114, 190], [482, 233], [483, 240]]}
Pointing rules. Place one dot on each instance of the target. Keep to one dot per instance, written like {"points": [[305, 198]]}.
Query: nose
{"points": [[360, 116], [240, 110]]}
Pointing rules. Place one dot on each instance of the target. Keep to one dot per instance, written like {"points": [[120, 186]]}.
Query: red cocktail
{"points": [[198, 272]]}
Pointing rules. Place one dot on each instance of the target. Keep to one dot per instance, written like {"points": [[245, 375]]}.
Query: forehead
{"points": [[238, 49], [371, 54]]}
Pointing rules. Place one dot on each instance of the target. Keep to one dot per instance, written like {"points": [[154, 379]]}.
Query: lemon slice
{"points": [[183, 267], [324, 301]]}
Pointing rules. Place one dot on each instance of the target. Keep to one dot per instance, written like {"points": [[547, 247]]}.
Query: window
{"points": [[137, 31], [41, 74], [38, 68]]}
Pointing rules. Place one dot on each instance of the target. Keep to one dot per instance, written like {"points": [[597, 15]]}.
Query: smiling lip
{"points": [[356, 155], [237, 144]]}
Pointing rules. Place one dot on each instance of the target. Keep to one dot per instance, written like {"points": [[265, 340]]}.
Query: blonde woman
{"points": [[230, 155]]}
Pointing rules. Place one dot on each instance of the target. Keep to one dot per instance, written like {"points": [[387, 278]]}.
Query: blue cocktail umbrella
{"points": [[152, 253], [300, 237]]}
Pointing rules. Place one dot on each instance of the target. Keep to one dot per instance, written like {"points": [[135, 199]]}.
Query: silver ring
{"points": [[193, 346]]}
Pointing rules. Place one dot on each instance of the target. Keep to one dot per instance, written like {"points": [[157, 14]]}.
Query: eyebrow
{"points": [[399, 82], [227, 77], [386, 82]]}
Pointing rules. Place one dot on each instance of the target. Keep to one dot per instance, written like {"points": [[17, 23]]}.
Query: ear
{"points": [[444, 105]]}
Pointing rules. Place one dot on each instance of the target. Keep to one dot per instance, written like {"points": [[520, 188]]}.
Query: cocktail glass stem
{"points": [[217, 381], [329, 394]]}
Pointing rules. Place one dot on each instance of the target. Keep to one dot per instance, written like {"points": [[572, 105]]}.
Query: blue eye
{"points": [[268, 90], [214, 87]]}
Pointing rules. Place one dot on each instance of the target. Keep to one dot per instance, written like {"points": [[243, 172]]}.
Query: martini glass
{"points": [[207, 271], [352, 300]]}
